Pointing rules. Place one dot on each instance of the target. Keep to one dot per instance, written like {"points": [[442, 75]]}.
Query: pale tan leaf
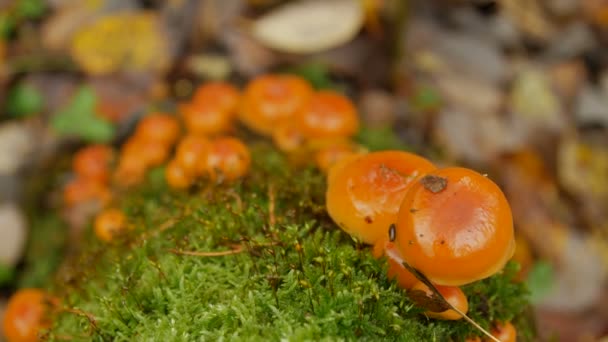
{"points": [[310, 26]]}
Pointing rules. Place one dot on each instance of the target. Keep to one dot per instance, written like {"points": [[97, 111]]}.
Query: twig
{"points": [[236, 249]]}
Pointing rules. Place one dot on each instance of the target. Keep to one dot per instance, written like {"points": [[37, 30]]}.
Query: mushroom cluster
{"points": [[453, 225]]}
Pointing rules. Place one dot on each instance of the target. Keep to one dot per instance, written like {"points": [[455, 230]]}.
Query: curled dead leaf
{"points": [[310, 26]]}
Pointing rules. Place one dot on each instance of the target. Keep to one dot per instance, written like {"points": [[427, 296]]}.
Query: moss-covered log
{"points": [[287, 271]]}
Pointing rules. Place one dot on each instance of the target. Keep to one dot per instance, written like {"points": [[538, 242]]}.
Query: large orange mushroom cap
{"points": [[271, 99], [455, 226], [363, 195], [328, 114]]}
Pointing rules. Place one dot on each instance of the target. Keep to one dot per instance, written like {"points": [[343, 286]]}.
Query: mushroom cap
{"points": [[227, 159], [220, 94], [455, 226], [271, 99], [328, 114], [364, 193], [93, 162], [205, 118], [158, 127], [25, 315], [405, 279]]}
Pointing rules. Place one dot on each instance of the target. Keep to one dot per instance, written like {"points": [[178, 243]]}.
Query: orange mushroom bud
{"points": [[363, 196], [93, 162], [271, 99], [131, 169], [206, 118], [405, 279], [108, 223], [287, 137], [504, 332], [328, 155], [177, 176], [452, 294], [82, 190], [328, 114], [226, 159], [27, 313], [158, 127], [455, 226], [222, 95], [190, 151], [152, 152]]}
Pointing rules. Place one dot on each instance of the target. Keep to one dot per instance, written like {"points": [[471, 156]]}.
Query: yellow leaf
{"points": [[124, 41]]}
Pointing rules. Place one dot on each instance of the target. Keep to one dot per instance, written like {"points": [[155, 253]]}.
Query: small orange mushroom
{"points": [[226, 159], [287, 137], [505, 332], [271, 99], [27, 314], [108, 223], [222, 95], [93, 162], [190, 150], [328, 114], [158, 127], [152, 152], [206, 118], [131, 169], [363, 196], [452, 294], [177, 176], [455, 226], [81, 190], [328, 155]]}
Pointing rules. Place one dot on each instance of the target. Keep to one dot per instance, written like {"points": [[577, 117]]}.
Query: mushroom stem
{"points": [[391, 253]]}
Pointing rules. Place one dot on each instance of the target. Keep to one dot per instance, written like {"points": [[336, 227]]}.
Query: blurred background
{"points": [[517, 89]]}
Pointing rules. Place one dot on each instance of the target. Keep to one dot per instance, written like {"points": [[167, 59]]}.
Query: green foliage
{"points": [[539, 280], [24, 100], [298, 276], [79, 119], [7, 274], [425, 99], [316, 73], [380, 138]]}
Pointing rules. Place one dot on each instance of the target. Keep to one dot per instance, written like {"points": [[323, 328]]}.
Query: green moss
{"points": [[298, 277]]}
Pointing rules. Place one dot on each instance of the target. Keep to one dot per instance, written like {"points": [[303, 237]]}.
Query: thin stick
{"points": [[236, 249]]}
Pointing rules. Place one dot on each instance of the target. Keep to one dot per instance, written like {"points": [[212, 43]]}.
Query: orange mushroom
{"points": [[452, 294], [334, 151], [455, 226], [81, 190], [271, 99], [108, 223], [287, 137], [131, 169], [206, 118], [328, 114], [152, 152], [190, 150], [505, 332], [363, 196], [158, 127], [27, 314], [226, 159], [93, 162], [177, 176], [222, 95], [405, 279]]}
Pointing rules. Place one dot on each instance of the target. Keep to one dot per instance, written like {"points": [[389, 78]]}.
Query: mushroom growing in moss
{"points": [[455, 226], [271, 99], [364, 195]]}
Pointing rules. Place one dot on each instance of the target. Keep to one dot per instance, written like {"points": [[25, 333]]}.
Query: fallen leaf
{"points": [[310, 26], [124, 41]]}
